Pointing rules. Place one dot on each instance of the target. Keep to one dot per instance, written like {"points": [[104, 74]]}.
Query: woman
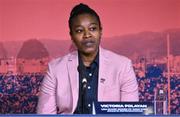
{"points": [[74, 82]]}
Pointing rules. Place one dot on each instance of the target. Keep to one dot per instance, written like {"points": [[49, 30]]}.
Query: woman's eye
{"points": [[79, 31], [92, 28]]}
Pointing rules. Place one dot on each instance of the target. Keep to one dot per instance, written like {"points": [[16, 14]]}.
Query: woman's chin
{"points": [[90, 51]]}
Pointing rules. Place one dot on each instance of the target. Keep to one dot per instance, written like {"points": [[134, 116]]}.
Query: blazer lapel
{"points": [[103, 73], [74, 77]]}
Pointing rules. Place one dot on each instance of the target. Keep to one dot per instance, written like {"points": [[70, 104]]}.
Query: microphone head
{"points": [[84, 80]]}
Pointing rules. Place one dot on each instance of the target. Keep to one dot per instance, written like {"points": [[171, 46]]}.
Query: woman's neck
{"points": [[88, 59]]}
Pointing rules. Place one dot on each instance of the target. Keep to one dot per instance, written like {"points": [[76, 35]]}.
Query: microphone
{"points": [[84, 80], [83, 94], [84, 83]]}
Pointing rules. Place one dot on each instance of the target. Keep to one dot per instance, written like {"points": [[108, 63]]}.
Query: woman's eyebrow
{"points": [[93, 24], [76, 26]]}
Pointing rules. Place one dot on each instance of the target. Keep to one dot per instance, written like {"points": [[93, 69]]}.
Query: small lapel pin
{"points": [[102, 80]]}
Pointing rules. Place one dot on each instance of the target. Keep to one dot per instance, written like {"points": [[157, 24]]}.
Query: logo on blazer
{"points": [[102, 80]]}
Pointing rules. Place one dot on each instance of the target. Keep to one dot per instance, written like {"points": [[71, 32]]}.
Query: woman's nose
{"points": [[87, 34]]}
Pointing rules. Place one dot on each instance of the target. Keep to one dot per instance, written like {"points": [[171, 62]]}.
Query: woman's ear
{"points": [[101, 30], [70, 33]]}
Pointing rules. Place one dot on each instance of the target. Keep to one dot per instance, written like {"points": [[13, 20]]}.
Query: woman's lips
{"points": [[88, 43]]}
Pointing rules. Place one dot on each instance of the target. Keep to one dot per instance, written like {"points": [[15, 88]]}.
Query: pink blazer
{"points": [[60, 87]]}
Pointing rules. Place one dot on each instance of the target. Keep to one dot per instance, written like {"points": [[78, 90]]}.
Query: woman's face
{"points": [[86, 33]]}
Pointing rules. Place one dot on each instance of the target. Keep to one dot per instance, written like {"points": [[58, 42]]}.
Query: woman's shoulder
{"points": [[63, 59]]}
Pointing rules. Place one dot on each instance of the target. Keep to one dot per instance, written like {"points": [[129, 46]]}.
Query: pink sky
{"points": [[25, 19]]}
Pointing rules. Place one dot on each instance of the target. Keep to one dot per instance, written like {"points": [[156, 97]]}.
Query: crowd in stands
{"points": [[19, 93], [151, 84]]}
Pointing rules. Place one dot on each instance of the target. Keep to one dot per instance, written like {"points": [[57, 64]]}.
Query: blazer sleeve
{"points": [[129, 85], [47, 97]]}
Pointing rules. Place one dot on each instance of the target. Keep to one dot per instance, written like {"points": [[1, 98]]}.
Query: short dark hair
{"points": [[82, 9]]}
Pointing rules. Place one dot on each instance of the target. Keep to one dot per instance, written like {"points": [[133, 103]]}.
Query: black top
{"points": [[88, 86]]}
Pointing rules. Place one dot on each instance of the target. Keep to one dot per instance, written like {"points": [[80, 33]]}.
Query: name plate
{"points": [[145, 108]]}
